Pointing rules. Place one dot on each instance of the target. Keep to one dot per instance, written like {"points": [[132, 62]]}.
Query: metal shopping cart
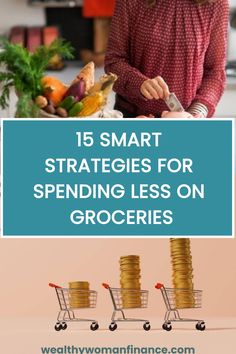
{"points": [[170, 296], [117, 296], [67, 312]]}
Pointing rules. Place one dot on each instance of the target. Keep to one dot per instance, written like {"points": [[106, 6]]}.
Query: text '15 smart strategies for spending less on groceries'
{"points": [[119, 178]]}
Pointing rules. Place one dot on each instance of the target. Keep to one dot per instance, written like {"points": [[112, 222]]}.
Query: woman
{"points": [[161, 46]]}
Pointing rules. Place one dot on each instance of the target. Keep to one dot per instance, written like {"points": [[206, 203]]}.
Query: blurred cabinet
{"points": [[68, 17], [56, 3], [227, 105], [73, 26]]}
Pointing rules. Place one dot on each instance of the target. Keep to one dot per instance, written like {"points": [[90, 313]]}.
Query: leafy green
{"points": [[24, 70], [6, 80], [26, 105]]}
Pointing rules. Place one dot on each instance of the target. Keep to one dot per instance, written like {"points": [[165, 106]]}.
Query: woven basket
{"points": [[44, 114], [98, 114]]}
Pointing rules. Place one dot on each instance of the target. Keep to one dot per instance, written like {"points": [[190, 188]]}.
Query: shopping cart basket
{"points": [[172, 314], [117, 296], [67, 313]]}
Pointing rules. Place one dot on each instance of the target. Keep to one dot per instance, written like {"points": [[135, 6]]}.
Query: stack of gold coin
{"points": [[79, 294], [130, 275], [182, 275]]}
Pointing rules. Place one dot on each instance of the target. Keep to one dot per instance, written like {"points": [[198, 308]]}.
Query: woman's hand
{"points": [[149, 116], [167, 114], [155, 89]]}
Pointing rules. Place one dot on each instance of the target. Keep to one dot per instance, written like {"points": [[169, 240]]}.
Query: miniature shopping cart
{"points": [[170, 297], [67, 313], [117, 296]]}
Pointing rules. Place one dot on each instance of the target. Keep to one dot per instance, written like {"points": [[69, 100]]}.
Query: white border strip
{"points": [[233, 175]]}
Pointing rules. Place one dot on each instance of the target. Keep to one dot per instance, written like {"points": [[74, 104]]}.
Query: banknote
{"points": [[173, 103]]}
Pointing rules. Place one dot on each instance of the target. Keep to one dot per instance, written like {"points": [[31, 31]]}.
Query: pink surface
{"points": [[27, 336], [27, 266]]}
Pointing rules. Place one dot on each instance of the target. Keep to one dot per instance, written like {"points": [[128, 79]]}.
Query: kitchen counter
{"points": [[226, 107], [66, 75], [55, 3], [231, 83], [73, 68]]}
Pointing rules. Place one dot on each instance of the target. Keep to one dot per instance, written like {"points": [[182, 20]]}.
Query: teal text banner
{"points": [[117, 178]]}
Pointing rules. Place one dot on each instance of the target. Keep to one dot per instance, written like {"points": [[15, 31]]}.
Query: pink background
{"points": [[28, 265]]}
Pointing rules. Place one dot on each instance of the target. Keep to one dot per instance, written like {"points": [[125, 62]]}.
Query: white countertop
{"points": [[72, 69], [231, 83]]}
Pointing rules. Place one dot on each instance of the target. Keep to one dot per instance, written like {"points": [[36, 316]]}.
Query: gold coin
{"points": [[131, 300], [180, 249], [181, 266], [180, 246], [125, 274], [130, 281], [183, 256], [188, 305], [175, 256], [79, 296], [131, 294], [128, 261], [188, 285], [187, 282], [178, 241], [128, 277], [131, 272], [130, 267], [130, 257], [181, 281], [182, 272], [131, 286], [183, 259], [79, 285]]}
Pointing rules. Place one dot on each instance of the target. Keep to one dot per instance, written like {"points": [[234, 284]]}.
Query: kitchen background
{"points": [[76, 21], [28, 307]]}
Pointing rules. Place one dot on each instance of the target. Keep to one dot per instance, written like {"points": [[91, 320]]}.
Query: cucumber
{"points": [[73, 112], [67, 103]]}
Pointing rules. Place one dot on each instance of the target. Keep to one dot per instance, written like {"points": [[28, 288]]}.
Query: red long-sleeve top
{"points": [[181, 41]]}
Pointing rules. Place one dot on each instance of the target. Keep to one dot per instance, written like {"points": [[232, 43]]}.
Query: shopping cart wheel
{"points": [[94, 326], [167, 326], [113, 326], [63, 326], [147, 326], [58, 326], [200, 326]]}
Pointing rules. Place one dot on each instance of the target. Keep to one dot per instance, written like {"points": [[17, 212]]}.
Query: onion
{"points": [[77, 90]]}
